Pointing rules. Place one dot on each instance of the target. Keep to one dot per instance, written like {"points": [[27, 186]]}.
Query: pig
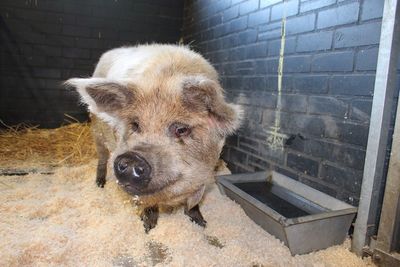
{"points": [[159, 120]]}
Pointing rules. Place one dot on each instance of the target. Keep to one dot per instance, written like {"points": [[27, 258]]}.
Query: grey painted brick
{"points": [[215, 20], [343, 177], [307, 125], [336, 61], [254, 83], [352, 85], [312, 5], [47, 73], [294, 103], [238, 24], [248, 6], [297, 64], [269, 35], [76, 31], [314, 41], [263, 99], [367, 59], [311, 84], [345, 155], [365, 34], [351, 133], [361, 109], [327, 105], [46, 50], [302, 164], [300, 24], [319, 186], [76, 53], [60, 40], [270, 26], [338, 16], [266, 3], [371, 9], [247, 37], [259, 17], [256, 51], [272, 83], [274, 46], [287, 8], [258, 162], [231, 13]]}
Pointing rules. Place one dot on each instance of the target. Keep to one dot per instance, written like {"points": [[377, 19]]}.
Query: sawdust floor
{"points": [[63, 219]]}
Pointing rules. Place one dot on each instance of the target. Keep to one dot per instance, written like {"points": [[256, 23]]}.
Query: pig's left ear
{"points": [[102, 95], [200, 94]]}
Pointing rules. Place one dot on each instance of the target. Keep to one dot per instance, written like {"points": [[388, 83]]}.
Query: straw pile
{"points": [[25, 146]]}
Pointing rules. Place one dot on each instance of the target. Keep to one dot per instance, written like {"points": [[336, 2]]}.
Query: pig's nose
{"points": [[131, 168]]}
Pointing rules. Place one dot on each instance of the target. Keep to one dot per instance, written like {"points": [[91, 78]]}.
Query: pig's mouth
{"points": [[149, 190]]}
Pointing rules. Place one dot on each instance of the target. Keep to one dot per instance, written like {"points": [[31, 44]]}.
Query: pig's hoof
{"points": [[196, 216], [149, 218], [101, 182]]}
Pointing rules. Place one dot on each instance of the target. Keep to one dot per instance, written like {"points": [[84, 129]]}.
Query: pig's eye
{"points": [[179, 129], [135, 126]]}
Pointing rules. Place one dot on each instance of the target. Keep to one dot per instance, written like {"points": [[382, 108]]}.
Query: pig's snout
{"points": [[131, 169]]}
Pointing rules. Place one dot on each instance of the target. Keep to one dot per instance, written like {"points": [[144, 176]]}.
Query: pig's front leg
{"points": [[195, 216], [103, 155], [149, 217]]}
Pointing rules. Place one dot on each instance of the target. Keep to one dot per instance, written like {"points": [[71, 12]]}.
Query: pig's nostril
{"points": [[138, 171], [122, 166]]}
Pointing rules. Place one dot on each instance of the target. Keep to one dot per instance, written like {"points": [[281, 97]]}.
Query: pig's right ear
{"points": [[102, 95]]}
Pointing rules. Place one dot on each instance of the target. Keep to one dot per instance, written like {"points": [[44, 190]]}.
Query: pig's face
{"points": [[169, 133]]}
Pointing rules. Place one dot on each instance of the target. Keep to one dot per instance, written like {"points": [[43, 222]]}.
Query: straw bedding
{"points": [[63, 219]]}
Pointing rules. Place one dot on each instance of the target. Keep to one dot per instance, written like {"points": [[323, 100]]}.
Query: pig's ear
{"points": [[102, 95], [201, 94]]}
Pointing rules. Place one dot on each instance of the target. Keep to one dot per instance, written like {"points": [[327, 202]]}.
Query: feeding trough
{"points": [[305, 219]]}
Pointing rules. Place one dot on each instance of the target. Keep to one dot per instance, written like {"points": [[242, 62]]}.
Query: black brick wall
{"points": [[328, 80], [43, 43]]}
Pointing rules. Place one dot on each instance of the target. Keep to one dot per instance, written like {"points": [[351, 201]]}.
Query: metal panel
{"points": [[384, 90]]}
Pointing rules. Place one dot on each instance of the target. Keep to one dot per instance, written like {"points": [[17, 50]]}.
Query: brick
{"points": [[297, 64], [76, 31], [312, 5], [238, 24], [314, 41], [294, 103], [371, 9], [345, 155], [344, 14], [259, 17], [311, 84], [47, 73], [263, 36], [248, 6], [215, 20], [337, 61], [343, 177], [247, 37], [327, 105], [258, 162], [266, 3], [76, 53], [302, 164], [318, 186], [361, 109], [367, 59], [237, 155], [356, 85], [287, 8], [272, 83], [300, 24], [274, 47], [231, 13], [254, 83], [307, 125], [351, 133], [356, 35], [272, 154], [263, 99], [256, 51]]}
